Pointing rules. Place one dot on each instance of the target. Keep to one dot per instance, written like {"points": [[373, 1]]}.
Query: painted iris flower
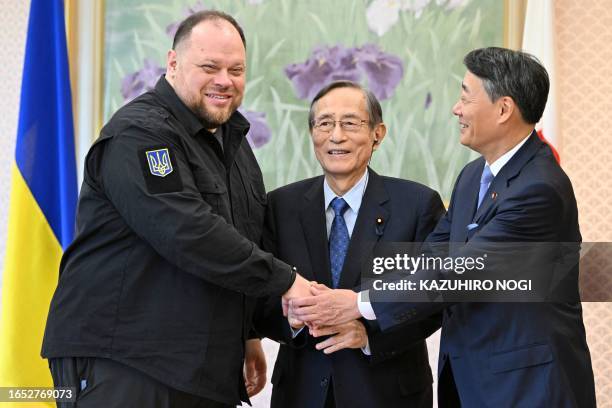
{"points": [[325, 65], [368, 63], [137, 83], [259, 133], [383, 71]]}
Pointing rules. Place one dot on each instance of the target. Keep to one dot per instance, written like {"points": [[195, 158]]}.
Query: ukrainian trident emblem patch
{"points": [[159, 162]]}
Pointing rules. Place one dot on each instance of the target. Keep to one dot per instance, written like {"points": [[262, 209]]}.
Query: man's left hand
{"points": [[348, 335], [254, 367]]}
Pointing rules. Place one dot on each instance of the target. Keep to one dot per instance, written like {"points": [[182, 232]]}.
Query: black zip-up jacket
{"points": [[163, 270]]}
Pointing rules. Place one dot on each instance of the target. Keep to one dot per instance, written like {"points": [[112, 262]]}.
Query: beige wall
{"points": [[13, 26], [584, 57]]}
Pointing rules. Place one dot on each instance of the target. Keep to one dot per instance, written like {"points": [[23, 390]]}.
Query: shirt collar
{"points": [[182, 113], [497, 165], [352, 197]]}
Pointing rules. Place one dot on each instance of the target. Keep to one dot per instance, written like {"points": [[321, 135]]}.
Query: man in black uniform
{"points": [[154, 301]]}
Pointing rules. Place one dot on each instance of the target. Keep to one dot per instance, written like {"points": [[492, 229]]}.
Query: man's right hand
{"points": [[300, 288]]}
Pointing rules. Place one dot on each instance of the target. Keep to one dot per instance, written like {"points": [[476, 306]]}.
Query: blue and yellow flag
{"points": [[43, 198]]}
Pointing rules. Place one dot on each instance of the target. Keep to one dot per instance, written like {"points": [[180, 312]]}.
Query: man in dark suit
{"points": [[497, 354], [325, 226]]}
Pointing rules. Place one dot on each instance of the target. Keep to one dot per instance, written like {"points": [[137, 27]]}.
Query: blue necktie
{"points": [[338, 239], [485, 181]]}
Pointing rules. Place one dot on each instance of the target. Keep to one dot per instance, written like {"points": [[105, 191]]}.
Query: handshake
{"points": [[326, 312]]}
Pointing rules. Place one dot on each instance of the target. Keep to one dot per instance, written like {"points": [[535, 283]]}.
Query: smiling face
{"points": [[344, 154], [208, 71], [477, 115]]}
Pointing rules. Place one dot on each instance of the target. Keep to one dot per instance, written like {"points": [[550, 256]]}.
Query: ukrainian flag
{"points": [[43, 198]]}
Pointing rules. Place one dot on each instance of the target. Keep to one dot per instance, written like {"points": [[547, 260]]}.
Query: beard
{"points": [[213, 118]]}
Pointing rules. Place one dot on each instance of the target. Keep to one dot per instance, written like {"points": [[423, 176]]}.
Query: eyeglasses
{"points": [[328, 125]]}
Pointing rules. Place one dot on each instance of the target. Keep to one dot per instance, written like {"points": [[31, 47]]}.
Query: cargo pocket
{"points": [[212, 192]]}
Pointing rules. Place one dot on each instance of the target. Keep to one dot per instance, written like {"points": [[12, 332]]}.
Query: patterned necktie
{"points": [[338, 240], [485, 181]]}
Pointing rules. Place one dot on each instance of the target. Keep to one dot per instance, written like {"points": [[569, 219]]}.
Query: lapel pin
{"points": [[379, 223], [493, 195]]}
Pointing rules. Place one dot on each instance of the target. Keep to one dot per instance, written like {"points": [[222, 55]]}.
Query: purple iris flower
{"points": [[137, 83], [308, 77], [384, 71], [327, 64], [259, 133], [342, 62]]}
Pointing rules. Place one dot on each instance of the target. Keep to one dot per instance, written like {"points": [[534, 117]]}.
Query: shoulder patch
{"points": [[160, 170], [159, 161]]}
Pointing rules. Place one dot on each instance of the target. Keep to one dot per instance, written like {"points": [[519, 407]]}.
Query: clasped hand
{"points": [[326, 312]]}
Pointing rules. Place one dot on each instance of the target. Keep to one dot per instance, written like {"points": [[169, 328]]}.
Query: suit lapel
{"points": [[464, 206], [312, 218], [365, 233], [506, 174]]}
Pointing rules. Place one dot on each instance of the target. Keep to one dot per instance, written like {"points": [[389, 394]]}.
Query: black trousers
{"points": [[330, 401], [101, 382]]}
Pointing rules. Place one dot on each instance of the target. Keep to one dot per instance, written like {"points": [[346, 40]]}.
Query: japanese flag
{"points": [[538, 39]]}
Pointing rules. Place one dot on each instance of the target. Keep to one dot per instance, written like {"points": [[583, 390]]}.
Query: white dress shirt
{"points": [[353, 198]]}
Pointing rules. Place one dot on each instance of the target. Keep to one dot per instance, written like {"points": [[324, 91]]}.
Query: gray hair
{"points": [[372, 105]]}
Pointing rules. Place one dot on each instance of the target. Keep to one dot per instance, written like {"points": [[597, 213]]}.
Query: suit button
{"points": [[324, 382]]}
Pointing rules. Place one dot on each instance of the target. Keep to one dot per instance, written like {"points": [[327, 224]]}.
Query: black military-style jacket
{"points": [[163, 270]]}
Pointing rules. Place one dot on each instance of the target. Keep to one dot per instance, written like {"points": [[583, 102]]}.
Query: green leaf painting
{"points": [[408, 52]]}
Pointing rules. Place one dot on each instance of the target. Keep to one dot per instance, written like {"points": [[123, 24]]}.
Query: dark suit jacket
{"points": [[511, 354], [397, 374]]}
